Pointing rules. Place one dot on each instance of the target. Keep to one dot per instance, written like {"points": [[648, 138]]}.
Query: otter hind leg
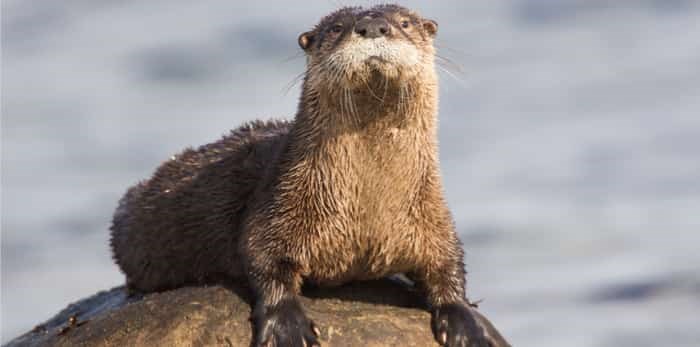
{"points": [[132, 247], [181, 226]]}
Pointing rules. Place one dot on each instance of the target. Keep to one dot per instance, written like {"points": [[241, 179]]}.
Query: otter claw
{"points": [[454, 325], [284, 324], [443, 338]]}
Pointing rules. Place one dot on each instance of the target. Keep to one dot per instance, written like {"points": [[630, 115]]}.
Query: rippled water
{"points": [[570, 146]]}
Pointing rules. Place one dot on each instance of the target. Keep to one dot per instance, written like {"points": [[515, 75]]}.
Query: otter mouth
{"points": [[377, 62], [376, 58], [364, 59]]}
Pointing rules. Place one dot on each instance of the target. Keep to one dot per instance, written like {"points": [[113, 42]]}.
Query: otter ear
{"points": [[306, 39], [430, 26]]}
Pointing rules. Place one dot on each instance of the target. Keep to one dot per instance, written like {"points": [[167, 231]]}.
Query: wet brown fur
{"points": [[350, 189]]}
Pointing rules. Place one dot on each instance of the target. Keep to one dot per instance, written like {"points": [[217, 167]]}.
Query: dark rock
{"points": [[377, 313]]}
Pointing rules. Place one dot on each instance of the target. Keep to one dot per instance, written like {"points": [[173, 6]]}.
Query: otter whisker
{"points": [[346, 93], [448, 63], [371, 92], [386, 88], [402, 98], [335, 73], [292, 57], [346, 99], [442, 46], [353, 108], [343, 105], [449, 73], [298, 78], [357, 113], [399, 99], [409, 96]]}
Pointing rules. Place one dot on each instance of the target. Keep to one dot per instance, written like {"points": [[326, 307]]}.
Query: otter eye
{"points": [[337, 28], [405, 24]]}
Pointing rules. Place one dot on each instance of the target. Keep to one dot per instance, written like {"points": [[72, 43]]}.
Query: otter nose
{"points": [[372, 28]]}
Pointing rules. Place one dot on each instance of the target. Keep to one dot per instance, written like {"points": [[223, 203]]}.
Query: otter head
{"points": [[354, 46]]}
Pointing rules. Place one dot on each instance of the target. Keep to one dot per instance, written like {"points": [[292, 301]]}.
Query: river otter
{"points": [[348, 190]]}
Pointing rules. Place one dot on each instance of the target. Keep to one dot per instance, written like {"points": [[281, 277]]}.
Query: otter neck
{"points": [[375, 105]]}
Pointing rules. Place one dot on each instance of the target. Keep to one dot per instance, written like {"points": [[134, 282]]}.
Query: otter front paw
{"points": [[454, 325], [284, 324]]}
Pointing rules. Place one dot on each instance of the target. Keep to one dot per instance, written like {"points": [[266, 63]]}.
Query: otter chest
{"points": [[387, 168], [378, 183]]}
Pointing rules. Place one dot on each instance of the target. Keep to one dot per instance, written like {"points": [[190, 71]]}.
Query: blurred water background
{"points": [[570, 146]]}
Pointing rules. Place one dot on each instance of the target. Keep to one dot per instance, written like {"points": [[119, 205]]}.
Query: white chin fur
{"points": [[359, 55]]}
